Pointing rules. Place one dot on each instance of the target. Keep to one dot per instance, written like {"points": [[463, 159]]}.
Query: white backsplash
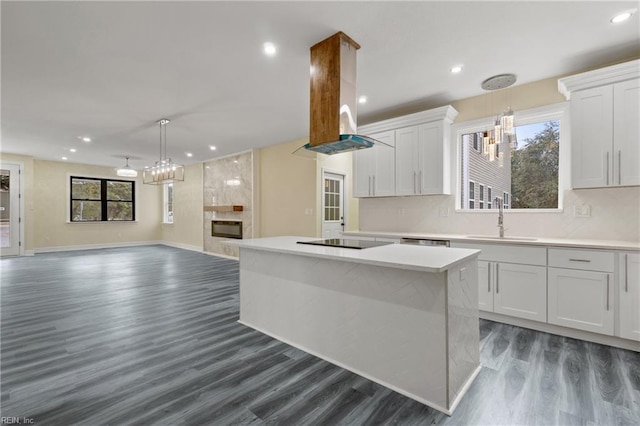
{"points": [[228, 181], [614, 215]]}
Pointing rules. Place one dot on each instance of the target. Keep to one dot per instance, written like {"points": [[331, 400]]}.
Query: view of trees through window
{"points": [[101, 200], [524, 175]]}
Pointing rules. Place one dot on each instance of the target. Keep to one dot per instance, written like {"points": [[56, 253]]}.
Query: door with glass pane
{"points": [[9, 209], [332, 205]]}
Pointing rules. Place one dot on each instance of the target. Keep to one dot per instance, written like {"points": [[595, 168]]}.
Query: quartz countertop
{"points": [[532, 241], [418, 258]]}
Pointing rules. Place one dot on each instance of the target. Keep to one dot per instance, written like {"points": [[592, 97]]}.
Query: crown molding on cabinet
{"points": [[600, 77], [446, 113]]}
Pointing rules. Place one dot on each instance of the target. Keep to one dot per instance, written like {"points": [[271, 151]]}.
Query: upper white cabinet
{"points": [[421, 157], [374, 168], [629, 290], [605, 126]]}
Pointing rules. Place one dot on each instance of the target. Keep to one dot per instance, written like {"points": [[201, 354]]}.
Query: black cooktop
{"points": [[340, 242]]}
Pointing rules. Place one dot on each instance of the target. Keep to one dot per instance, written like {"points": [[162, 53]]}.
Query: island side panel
{"points": [[386, 324], [463, 327]]}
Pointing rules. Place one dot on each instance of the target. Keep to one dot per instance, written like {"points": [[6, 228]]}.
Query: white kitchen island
{"points": [[403, 316]]}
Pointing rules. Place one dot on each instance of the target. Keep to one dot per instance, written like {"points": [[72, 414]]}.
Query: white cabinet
{"points": [[419, 162], [629, 290], [422, 158], [605, 123], [581, 297], [514, 289], [374, 168]]}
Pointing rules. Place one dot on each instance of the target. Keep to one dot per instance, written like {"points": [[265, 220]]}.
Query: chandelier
{"points": [[126, 171], [502, 128], [164, 170]]}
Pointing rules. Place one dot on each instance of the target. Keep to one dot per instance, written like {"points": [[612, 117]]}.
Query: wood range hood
{"points": [[332, 111]]}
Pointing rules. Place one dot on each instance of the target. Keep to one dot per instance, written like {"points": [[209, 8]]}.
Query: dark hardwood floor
{"points": [[148, 335]]}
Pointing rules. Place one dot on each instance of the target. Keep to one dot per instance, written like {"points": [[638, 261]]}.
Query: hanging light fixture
{"points": [[126, 171], [164, 170], [502, 129]]}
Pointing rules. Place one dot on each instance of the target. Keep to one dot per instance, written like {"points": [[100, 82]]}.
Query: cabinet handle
{"points": [[489, 277], [420, 181], [626, 273], [369, 184], [619, 167], [607, 167], [607, 292], [374, 185], [497, 278], [414, 182], [580, 260]]}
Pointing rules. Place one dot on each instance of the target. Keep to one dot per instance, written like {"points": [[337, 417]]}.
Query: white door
{"points": [[9, 210], [630, 296], [520, 291], [626, 133], [332, 205]]}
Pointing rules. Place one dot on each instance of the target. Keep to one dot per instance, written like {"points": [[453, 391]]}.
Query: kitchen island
{"points": [[403, 316]]}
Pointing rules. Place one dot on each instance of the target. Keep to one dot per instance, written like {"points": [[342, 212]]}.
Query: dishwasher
{"points": [[425, 242]]}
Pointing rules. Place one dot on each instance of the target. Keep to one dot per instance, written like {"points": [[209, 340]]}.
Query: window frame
{"points": [[165, 203], [558, 111], [104, 201]]}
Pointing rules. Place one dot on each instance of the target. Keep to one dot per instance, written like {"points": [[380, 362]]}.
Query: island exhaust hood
{"points": [[332, 128]]}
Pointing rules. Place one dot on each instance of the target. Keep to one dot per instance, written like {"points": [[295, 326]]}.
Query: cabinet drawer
{"points": [[588, 260], [507, 253]]}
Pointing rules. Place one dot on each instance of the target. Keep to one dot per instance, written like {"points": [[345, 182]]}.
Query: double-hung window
{"points": [[101, 200]]}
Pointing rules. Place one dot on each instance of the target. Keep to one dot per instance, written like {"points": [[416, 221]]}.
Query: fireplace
{"points": [[226, 228]]}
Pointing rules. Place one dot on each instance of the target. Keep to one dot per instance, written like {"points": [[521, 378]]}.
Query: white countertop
{"points": [[417, 258], [513, 240]]}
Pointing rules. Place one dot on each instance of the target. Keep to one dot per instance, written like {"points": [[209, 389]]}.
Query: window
{"points": [[525, 168], [102, 200], [472, 194], [489, 198], [168, 203]]}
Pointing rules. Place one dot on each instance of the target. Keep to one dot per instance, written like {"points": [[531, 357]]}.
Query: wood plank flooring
{"points": [[148, 335]]}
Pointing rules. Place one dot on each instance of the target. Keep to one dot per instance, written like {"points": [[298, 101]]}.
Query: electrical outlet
{"points": [[308, 212], [402, 212], [444, 211], [583, 210]]}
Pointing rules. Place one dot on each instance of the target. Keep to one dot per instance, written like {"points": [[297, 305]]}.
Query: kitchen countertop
{"points": [[417, 258], [532, 241]]}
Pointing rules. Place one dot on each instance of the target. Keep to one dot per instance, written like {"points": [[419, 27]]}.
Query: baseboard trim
{"points": [[182, 246], [602, 339], [226, 256], [94, 246]]}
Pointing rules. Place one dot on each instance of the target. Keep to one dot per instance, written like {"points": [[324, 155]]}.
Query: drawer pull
{"points": [[607, 292], [497, 278], [580, 260], [489, 278]]}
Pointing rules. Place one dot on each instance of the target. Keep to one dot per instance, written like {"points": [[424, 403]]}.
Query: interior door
{"points": [[9, 209], [332, 205]]}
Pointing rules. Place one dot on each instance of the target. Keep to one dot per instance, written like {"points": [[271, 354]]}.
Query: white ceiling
{"points": [[110, 70]]}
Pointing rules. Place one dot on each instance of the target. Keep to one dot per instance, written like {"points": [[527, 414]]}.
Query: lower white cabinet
{"points": [[629, 290], [513, 289], [581, 299]]}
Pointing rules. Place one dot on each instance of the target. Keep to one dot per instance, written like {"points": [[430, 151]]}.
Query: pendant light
{"points": [[164, 170], [127, 171]]}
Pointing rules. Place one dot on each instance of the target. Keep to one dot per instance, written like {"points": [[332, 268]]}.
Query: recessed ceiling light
{"points": [[362, 99], [621, 17], [72, 150], [63, 158], [457, 69], [189, 154], [84, 138], [212, 148], [270, 49]]}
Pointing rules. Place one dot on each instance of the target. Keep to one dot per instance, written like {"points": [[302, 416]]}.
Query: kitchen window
{"points": [[101, 200], [525, 170]]}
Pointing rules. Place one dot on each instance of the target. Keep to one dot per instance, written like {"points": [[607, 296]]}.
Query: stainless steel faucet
{"points": [[498, 201]]}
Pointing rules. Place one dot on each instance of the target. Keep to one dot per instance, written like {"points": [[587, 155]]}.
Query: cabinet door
{"points": [[407, 161], [384, 176], [626, 133], [521, 291], [591, 137], [363, 167], [581, 299], [485, 286], [630, 296], [432, 159]]}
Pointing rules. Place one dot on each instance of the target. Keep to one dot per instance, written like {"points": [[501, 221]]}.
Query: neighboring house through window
{"points": [[168, 203]]}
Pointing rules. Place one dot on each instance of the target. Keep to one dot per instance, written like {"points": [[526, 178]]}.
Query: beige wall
{"points": [[615, 212], [186, 229], [28, 214], [51, 200], [287, 190]]}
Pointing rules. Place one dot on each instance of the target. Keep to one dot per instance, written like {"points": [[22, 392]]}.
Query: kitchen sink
{"points": [[487, 237]]}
